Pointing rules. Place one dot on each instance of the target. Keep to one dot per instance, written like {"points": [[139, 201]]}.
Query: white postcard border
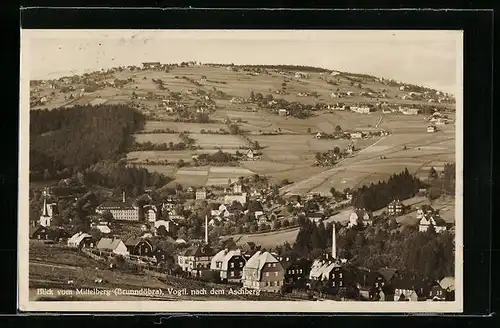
{"points": [[25, 305]]}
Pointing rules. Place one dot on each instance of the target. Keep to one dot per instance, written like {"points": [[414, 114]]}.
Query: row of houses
{"points": [[268, 272]]}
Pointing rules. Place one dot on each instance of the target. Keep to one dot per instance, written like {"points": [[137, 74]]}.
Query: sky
{"points": [[428, 58]]}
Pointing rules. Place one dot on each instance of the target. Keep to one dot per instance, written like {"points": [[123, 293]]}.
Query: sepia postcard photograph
{"points": [[262, 171]]}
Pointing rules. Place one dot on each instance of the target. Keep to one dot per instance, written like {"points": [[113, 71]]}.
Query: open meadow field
{"points": [[218, 141], [380, 160]]}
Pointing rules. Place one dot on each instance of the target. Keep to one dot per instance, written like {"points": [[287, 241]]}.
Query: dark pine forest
{"points": [[64, 142]]}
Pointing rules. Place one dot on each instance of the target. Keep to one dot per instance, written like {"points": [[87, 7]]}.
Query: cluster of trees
{"points": [[117, 174], [193, 117], [328, 158], [291, 68], [217, 157], [198, 84], [148, 145], [220, 131], [376, 196], [427, 255], [313, 239], [157, 131], [186, 139], [235, 129], [65, 141], [295, 109], [443, 183]]}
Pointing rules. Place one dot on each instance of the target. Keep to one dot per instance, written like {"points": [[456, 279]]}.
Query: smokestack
{"points": [[206, 230], [334, 242], [123, 196]]}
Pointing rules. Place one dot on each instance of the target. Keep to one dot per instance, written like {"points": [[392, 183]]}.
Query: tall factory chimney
{"points": [[206, 230], [334, 242]]}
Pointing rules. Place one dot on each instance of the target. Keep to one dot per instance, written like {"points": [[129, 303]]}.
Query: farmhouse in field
{"points": [[356, 135], [263, 272], [122, 211], [301, 75], [409, 110], [283, 112], [363, 109], [149, 65], [250, 154]]}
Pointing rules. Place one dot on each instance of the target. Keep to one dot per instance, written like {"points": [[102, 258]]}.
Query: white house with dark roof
{"points": [[432, 220]]}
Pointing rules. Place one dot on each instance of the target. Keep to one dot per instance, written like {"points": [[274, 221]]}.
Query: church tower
{"points": [[46, 217]]}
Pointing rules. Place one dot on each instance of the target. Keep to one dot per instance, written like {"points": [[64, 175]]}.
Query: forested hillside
{"points": [[65, 141]]}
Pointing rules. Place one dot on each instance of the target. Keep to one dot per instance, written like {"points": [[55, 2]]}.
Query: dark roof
{"points": [[115, 205], [133, 241], [420, 286], [361, 213], [387, 273], [395, 202], [427, 208], [439, 220], [198, 251]]}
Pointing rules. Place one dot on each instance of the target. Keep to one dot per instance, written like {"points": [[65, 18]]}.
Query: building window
{"points": [[241, 264], [333, 276], [340, 283], [232, 273], [274, 265], [269, 265], [340, 275], [276, 273], [333, 284], [232, 265], [267, 274]]}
